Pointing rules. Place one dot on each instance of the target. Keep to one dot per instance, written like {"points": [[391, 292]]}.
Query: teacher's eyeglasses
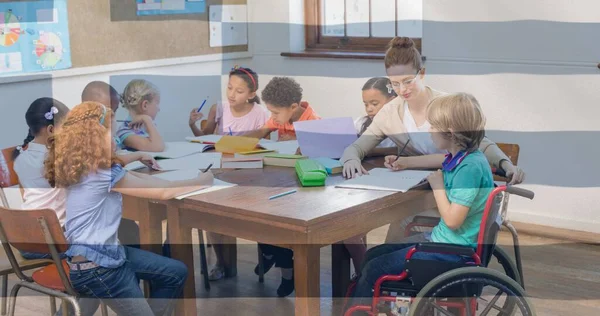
{"points": [[407, 82]]}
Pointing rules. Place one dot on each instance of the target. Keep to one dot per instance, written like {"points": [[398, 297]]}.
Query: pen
{"points": [[206, 170], [402, 150], [230, 132], [200, 108], [124, 121], [282, 194]]}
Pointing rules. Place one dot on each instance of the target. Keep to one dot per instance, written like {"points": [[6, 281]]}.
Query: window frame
{"points": [[315, 41]]}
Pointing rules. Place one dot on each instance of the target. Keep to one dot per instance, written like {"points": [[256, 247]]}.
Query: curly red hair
{"points": [[79, 146]]}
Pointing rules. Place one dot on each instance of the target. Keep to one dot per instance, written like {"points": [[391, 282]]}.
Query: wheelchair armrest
{"points": [[444, 248]]}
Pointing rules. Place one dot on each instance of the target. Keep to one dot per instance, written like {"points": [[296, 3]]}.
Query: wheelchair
{"points": [[429, 287]]}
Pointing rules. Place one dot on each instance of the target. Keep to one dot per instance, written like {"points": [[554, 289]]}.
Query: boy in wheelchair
{"points": [[461, 190]]}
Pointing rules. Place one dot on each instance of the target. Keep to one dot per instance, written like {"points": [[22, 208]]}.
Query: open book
{"points": [[383, 179], [179, 149], [190, 174]]}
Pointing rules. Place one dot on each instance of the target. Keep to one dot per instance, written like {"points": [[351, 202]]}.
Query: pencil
{"points": [[200, 108], [282, 194], [206, 170], [402, 150]]}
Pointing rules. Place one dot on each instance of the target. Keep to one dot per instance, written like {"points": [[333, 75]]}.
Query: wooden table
{"points": [[304, 221]]}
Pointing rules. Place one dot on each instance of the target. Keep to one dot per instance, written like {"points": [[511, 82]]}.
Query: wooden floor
{"points": [[562, 278]]}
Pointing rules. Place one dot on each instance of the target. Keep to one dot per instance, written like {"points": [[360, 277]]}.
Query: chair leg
{"points": [[103, 309], [4, 294], [13, 299], [73, 302], [203, 262], [52, 305], [261, 265], [515, 236]]}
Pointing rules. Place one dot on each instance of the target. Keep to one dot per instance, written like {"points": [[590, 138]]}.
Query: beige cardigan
{"points": [[389, 123]]}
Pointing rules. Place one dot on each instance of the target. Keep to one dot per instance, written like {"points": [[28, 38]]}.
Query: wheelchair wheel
{"points": [[508, 265], [481, 291]]}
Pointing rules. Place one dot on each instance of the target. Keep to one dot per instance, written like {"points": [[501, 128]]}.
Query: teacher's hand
{"points": [[515, 174], [391, 162], [353, 168]]}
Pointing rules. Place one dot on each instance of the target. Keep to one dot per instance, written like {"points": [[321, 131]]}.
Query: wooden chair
{"points": [[37, 231], [8, 178]]}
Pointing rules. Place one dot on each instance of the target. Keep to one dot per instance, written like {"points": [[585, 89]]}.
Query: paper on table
{"points": [[194, 161], [178, 149], [382, 179], [286, 147], [325, 138], [178, 175], [206, 138], [217, 185]]}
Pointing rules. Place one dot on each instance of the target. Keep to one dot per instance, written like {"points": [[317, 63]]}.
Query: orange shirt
{"points": [[288, 128]]}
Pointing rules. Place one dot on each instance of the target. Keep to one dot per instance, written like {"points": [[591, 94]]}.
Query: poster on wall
{"points": [[155, 7], [34, 37]]}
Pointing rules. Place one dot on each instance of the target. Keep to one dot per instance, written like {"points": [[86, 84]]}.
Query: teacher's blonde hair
{"points": [[460, 118]]}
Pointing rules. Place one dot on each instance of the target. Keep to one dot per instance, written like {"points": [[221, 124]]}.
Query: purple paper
{"points": [[325, 138]]}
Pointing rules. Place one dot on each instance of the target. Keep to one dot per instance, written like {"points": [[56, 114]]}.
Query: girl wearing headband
{"points": [[240, 113]]}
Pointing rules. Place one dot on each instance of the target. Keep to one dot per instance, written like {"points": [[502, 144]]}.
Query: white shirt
{"points": [[386, 143], [420, 137], [37, 193]]}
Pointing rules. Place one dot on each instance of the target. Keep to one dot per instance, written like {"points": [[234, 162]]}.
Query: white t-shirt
{"points": [[420, 137], [37, 193], [386, 143]]}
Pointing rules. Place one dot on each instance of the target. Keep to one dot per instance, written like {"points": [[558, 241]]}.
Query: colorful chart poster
{"points": [[154, 7], [34, 36]]}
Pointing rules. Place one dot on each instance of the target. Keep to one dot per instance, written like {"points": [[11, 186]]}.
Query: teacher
{"points": [[404, 121]]}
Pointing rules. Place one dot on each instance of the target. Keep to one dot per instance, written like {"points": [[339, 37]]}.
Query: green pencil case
{"points": [[310, 173]]}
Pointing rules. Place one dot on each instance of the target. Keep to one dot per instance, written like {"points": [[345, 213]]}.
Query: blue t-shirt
{"points": [[93, 218], [124, 131], [469, 184]]}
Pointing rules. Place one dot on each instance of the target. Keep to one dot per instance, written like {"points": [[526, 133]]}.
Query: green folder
{"points": [[310, 173]]}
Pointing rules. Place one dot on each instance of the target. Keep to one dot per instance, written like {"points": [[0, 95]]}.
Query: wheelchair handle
{"points": [[520, 192]]}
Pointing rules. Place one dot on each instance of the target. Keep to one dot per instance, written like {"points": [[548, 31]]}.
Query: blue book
{"points": [[331, 165]]}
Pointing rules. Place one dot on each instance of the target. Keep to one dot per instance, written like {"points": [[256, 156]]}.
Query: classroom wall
{"points": [[531, 65]]}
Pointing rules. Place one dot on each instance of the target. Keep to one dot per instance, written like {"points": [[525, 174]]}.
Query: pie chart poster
{"points": [[34, 36]]}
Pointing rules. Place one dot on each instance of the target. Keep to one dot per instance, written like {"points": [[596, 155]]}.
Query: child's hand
{"points": [[436, 180], [205, 178], [139, 121], [149, 161], [285, 137], [391, 162], [195, 116]]}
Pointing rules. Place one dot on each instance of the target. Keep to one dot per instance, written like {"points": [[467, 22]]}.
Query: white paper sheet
{"points": [[287, 147], [383, 179], [217, 185], [178, 149], [205, 138], [178, 175], [195, 161]]}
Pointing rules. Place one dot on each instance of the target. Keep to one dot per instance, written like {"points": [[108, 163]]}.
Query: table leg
{"points": [[150, 222], [306, 279], [180, 238], [230, 255], [340, 269]]}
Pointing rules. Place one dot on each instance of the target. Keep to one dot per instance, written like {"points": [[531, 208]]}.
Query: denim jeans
{"points": [[390, 259], [119, 287]]}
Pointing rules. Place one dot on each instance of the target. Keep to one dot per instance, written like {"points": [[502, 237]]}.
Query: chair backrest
{"points": [[8, 176], [490, 226], [510, 150], [32, 230]]}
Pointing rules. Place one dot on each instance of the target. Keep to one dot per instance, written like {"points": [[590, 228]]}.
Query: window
{"points": [[361, 25]]}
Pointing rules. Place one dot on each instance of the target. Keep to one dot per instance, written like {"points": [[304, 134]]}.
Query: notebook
{"points": [[236, 144], [282, 160], [242, 163], [331, 165], [383, 179], [179, 149], [325, 138], [205, 139], [194, 161], [286, 147]]}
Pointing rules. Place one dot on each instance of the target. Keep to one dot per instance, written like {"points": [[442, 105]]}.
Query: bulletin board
{"points": [[110, 31]]}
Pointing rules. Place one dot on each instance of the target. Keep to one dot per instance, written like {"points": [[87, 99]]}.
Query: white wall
{"points": [[531, 65]]}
